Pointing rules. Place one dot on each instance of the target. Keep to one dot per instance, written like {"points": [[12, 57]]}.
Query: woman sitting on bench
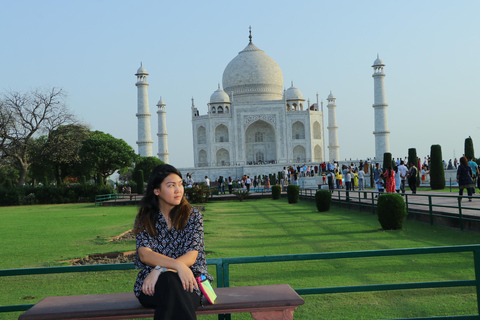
{"points": [[170, 248]]}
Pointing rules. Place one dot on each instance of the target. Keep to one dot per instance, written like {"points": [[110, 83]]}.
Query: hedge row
{"points": [[72, 193]]}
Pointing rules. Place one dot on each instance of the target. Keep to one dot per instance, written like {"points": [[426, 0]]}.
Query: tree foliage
{"points": [[24, 117], [104, 154], [469, 151], [146, 164], [437, 170]]}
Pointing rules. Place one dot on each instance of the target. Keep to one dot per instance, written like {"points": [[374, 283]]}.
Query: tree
{"points": [[63, 159], [469, 152], [104, 154], [437, 170], [147, 164], [27, 116]]}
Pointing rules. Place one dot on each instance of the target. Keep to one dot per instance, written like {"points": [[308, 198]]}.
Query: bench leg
{"points": [[285, 314]]}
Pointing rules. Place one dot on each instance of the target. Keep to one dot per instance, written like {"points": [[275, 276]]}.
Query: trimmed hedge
{"points": [[469, 151], [293, 193], [276, 192], [391, 211], [437, 171], [323, 200], [71, 193]]}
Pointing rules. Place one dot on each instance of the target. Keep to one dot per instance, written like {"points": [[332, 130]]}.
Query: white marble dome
{"points": [[378, 62], [141, 70], [219, 96], [253, 75], [293, 94]]}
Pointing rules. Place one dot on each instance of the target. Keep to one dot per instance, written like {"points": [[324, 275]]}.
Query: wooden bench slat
{"points": [[126, 305]]}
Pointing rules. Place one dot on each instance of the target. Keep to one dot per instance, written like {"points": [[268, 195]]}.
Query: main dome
{"points": [[252, 75]]}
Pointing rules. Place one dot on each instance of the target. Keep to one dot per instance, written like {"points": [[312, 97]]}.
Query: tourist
{"points": [[230, 185], [403, 175], [412, 178], [170, 248], [377, 173], [474, 167], [207, 181], [354, 179], [361, 176], [389, 175], [348, 179], [398, 180], [266, 184], [464, 178], [248, 182], [330, 177], [190, 181]]}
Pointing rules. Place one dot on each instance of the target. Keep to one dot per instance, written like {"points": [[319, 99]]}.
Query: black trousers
{"points": [[170, 300]]}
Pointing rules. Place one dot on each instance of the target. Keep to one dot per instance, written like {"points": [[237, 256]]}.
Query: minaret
{"points": [[162, 132], [333, 147], [144, 142], [381, 132]]}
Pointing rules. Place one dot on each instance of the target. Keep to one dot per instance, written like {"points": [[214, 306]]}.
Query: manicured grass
{"points": [[43, 235]]}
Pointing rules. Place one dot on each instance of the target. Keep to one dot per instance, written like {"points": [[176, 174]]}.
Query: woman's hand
{"points": [[186, 277], [150, 281]]}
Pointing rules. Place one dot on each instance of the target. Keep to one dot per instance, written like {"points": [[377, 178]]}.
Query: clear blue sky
{"points": [[92, 50]]}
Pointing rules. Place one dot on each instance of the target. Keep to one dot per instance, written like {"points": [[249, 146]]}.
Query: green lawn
{"points": [[43, 235]]}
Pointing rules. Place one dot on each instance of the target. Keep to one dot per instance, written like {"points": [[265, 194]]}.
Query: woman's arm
{"points": [[180, 265]]}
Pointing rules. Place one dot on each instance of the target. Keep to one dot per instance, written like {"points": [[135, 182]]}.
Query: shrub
{"points": [[276, 191], [293, 193], [387, 160], [469, 151], [437, 171], [323, 199], [391, 211], [241, 194], [198, 194]]}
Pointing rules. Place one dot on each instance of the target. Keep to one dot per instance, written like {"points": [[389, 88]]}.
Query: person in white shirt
{"points": [[207, 181], [403, 175]]}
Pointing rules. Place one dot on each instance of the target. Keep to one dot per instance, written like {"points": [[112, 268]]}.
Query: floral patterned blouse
{"points": [[173, 243]]}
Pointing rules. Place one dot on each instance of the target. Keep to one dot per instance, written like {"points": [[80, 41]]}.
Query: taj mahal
{"points": [[254, 125]]}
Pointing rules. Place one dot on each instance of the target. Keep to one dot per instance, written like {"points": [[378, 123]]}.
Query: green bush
{"points": [[198, 194], [293, 193], [323, 200], [387, 160], [241, 194], [437, 170], [276, 192], [391, 211], [469, 151]]}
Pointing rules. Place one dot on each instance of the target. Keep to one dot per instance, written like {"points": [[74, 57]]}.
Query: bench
{"points": [[263, 302]]}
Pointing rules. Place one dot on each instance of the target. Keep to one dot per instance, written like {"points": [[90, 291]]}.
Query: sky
{"points": [[92, 50]]}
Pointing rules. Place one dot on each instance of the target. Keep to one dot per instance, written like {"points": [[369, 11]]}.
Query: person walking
{"points": [[389, 175], [412, 178], [464, 178]]}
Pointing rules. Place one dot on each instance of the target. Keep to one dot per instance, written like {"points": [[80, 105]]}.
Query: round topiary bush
{"points": [[276, 191], [391, 211], [293, 193], [323, 199]]}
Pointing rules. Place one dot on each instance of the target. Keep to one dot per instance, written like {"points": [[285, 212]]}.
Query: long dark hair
{"points": [[150, 206]]}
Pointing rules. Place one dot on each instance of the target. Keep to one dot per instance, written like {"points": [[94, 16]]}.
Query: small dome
{"points": [[331, 96], [219, 96], [160, 102], [378, 62], [293, 93], [141, 71]]}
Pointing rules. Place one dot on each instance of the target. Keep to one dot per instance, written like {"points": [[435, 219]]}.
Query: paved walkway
{"points": [[442, 202]]}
